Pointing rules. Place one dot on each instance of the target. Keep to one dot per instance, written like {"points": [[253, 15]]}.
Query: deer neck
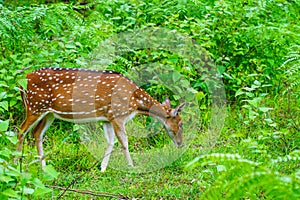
{"points": [[147, 105]]}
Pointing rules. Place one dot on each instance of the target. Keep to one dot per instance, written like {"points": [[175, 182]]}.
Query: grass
{"points": [[171, 182], [255, 157], [256, 161]]}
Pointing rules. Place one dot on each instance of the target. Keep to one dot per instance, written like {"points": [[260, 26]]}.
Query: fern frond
{"points": [[245, 179], [289, 60], [285, 159], [220, 157], [291, 69]]}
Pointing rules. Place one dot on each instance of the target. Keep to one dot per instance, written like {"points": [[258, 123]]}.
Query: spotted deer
{"points": [[79, 95]]}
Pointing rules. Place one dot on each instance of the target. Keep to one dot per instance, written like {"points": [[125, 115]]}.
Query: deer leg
{"points": [[39, 131], [124, 142], [109, 135], [122, 138], [26, 126]]}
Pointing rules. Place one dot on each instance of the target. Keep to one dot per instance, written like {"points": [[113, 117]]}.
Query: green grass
{"points": [[261, 170], [255, 47]]}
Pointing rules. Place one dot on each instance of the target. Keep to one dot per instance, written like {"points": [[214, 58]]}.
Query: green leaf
{"points": [[193, 163], [254, 102], [5, 179], [70, 46], [12, 102], [203, 107], [27, 190], [5, 61], [200, 95], [3, 85], [4, 104], [25, 61], [256, 82], [10, 133], [265, 109], [221, 168], [227, 75], [248, 89], [221, 69], [176, 76], [269, 121], [50, 172], [263, 94], [23, 82], [184, 83], [267, 85], [2, 94], [176, 97], [41, 191], [239, 92], [10, 193], [247, 106], [252, 114], [177, 89], [13, 172], [198, 84], [253, 86], [8, 78], [4, 124], [192, 90], [164, 77], [115, 18], [173, 58], [250, 94], [38, 183]]}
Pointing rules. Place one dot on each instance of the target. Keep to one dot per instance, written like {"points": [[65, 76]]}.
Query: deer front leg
{"points": [[109, 135], [122, 138]]}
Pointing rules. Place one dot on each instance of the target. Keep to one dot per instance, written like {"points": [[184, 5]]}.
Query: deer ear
{"points": [[166, 102], [176, 110]]}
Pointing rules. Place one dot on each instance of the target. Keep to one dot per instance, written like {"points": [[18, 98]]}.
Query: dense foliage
{"points": [[255, 47]]}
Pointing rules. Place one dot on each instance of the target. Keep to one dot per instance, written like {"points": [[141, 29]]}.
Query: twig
{"points": [[22, 70], [89, 192], [80, 176], [75, 179], [68, 188]]}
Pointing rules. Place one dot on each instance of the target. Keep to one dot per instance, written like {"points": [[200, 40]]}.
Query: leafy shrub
{"points": [[248, 42], [240, 178], [15, 183]]}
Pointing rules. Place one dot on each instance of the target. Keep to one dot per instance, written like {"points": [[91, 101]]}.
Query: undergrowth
{"points": [[255, 49]]}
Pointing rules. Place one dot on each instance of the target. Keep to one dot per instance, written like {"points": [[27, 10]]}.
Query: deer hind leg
{"points": [[39, 131], [26, 126], [122, 138], [109, 135]]}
